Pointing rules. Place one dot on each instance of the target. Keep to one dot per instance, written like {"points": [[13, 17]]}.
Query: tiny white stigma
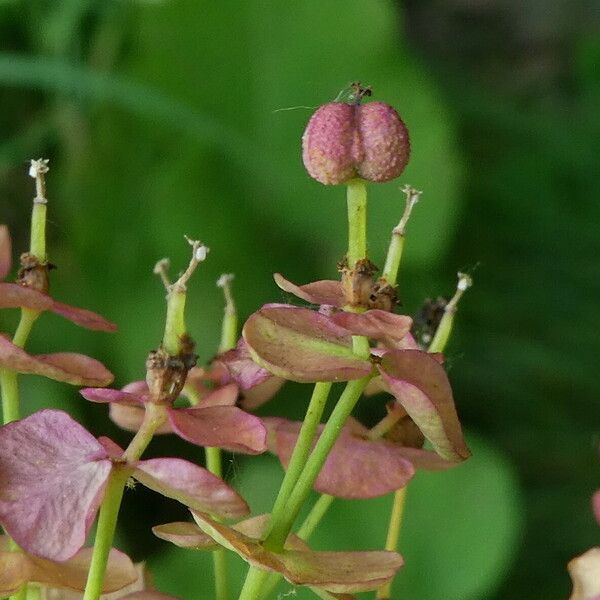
{"points": [[225, 279], [201, 253], [464, 282], [38, 167]]}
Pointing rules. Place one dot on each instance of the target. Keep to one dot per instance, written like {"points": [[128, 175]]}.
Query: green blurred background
{"points": [[164, 118]]}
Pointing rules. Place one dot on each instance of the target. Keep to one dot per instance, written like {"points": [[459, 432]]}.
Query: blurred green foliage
{"points": [[169, 117]]}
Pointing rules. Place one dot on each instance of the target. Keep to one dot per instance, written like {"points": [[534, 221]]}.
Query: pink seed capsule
{"points": [[343, 141]]}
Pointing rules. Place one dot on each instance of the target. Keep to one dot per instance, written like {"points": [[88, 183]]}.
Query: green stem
{"points": [[221, 580], [34, 592], [175, 320], [391, 543], [154, 417], [387, 423], [37, 245], [282, 527], [214, 465], [321, 506], [9, 386], [438, 344], [229, 327], [304, 469], [253, 585], [28, 318], [394, 255], [107, 523], [175, 331], [298, 460], [314, 517], [357, 220], [442, 334], [10, 396], [22, 594]]}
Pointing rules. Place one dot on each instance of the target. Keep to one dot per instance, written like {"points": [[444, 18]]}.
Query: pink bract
{"points": [[302, 345], [68, 367], [54, 472], [327, 291], [376, 324], [214, 422], [241, 369], [421, 386], [53, 475], [357, 467]]}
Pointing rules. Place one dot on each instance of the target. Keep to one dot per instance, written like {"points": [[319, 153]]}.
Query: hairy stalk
{"points": [[154, 417]]}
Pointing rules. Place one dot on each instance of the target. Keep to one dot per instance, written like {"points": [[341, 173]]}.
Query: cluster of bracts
{"points": [[54, 474]]}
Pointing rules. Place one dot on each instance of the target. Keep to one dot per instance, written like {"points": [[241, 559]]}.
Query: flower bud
{"points": [[344, 141]]}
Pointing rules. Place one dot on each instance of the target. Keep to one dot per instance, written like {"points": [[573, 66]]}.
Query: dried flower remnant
{"points": [[343, 141], [54, 475]]}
